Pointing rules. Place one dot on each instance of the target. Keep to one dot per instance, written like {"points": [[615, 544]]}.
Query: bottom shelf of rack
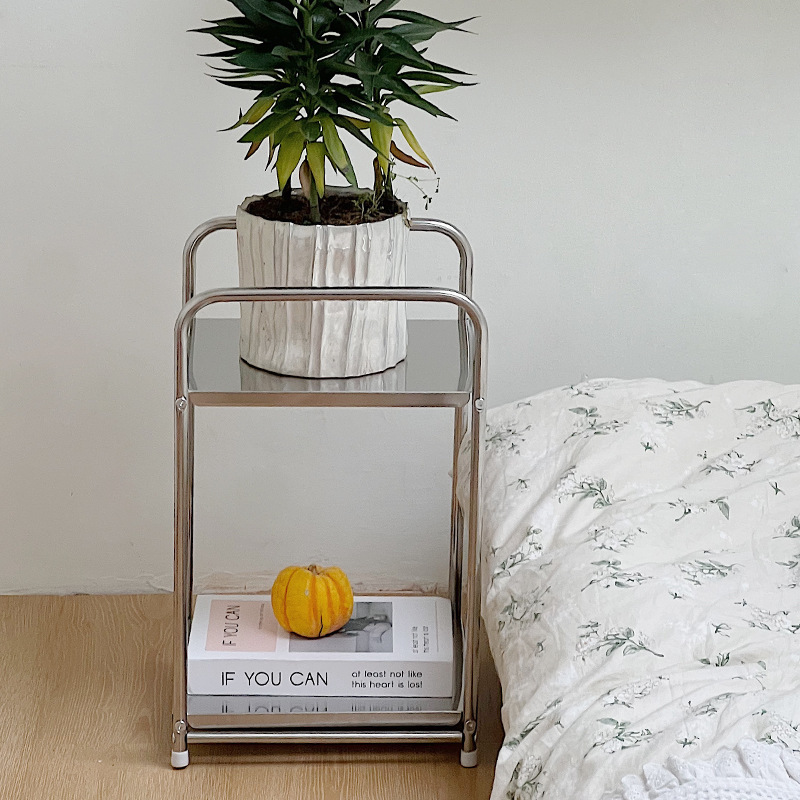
{"points": [[356, 737], [282, 713], [383, 640]]}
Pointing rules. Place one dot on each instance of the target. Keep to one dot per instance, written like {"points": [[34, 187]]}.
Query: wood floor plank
{"points": [[86, 714]]}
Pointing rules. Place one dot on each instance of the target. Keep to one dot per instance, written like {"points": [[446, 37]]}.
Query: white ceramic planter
{"points": [[322, 339]]}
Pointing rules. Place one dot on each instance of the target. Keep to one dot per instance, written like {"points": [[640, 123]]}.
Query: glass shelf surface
{"points": [[434, 374]]}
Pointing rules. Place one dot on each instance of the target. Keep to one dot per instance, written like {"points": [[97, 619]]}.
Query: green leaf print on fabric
{"points": [[626, 639], [589, 388], [506, 438], [671, 411], [710, 707], [731, 464], [549, 711], [781, 731], [589, 424], [687, 742], [526, 781], [696, 571], [529, 550], [789, 530], [767, 415], [628, 694], [774, 621], [587, 488], [524, 609], [721, 660], [688, 509], [793, 565], [611, 574], [605, 538], [621, 736]]}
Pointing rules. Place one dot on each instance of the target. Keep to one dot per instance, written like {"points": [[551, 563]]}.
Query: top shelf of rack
{"points": [[435, 373]]}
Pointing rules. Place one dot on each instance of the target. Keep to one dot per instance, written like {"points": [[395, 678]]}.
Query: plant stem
{"points": [[378, 184], [316, 218]]}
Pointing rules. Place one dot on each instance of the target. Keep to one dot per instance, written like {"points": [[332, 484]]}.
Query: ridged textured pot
{"points": [[322, 339]]}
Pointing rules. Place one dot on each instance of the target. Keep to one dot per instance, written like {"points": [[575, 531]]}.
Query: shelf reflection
{"points": [[260, 380]]}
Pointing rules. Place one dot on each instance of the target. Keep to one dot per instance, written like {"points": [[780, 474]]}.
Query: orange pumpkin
{"points": [[312, 601]]}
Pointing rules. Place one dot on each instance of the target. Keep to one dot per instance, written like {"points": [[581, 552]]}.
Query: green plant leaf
{"points": [[232, 26], [352, 103], [444, 69], [400, 46], [417, 28], [430, 88], [259, 62], [315, 154], [349, 125], [327, 102], [352, 6], [289, 153], [311, 129], [294, 126], [383, 7], [333, 144], [258, 10], [430, 77], [323, 18], [367, 70], [424, 19], [408, 95], [362, 125], [288, 53], [251, 86], [382, 139], [358, 36], [412, 141], [254, 113], [267, 126]]}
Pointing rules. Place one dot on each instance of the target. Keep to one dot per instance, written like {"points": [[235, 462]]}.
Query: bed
{"points": [[641, 590]]}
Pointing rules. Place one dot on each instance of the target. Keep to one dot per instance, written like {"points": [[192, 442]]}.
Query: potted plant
{"points": [[325, 72]]}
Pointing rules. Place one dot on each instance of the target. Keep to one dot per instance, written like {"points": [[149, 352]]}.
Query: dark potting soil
{"points": [[335, 209]]}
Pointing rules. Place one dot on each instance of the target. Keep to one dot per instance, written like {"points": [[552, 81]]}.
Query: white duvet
{"points": [[641, 565]]}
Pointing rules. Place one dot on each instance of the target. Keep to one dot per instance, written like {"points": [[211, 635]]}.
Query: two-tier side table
{"points": [[445, 367]]}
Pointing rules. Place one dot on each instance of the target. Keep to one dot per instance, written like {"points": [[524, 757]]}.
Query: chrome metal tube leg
{"points": [[456, 522], [469, 744], [189, 534], [180, 749], [469, 752], [184, 451]]}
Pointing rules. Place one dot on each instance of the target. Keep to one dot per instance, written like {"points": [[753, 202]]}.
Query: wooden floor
{"points": [[85, 713]]}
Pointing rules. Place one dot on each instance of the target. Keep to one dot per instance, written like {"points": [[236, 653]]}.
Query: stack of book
{"points": [[395, 654]]}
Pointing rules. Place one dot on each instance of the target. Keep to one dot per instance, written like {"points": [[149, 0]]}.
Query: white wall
{"points": [[626, 170]]}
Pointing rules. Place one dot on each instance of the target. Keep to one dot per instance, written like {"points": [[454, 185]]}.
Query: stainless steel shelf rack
{"points": [[445, 367]]}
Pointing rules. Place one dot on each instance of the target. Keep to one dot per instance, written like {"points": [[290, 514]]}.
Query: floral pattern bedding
{"points": [[641, 577]]}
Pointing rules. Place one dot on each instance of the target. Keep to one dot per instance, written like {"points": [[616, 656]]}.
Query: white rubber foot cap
{"points": [[180, 760], [469, 759]]}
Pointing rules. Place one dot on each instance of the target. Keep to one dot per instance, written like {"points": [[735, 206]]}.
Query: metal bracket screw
{"points": [[181, 404], [480, 404]]}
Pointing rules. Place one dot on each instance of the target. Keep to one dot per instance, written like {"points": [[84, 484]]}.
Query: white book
{"points": [[399, 646], [221, 705]]}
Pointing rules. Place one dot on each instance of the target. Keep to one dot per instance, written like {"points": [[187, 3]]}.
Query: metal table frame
{"points": [[468, 419]]}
